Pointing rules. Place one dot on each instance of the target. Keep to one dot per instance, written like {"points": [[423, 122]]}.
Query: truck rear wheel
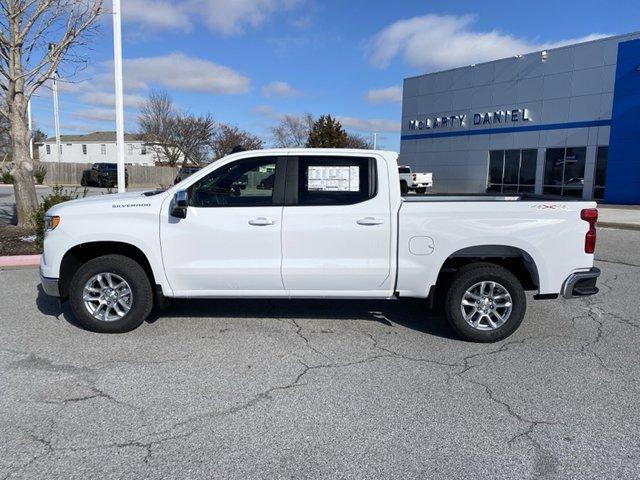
{"points": [[485, 303], [111, 294]]}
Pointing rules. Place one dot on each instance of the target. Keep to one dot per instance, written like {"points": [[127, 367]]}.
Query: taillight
{"points": [[590, 215], [414, 176]]}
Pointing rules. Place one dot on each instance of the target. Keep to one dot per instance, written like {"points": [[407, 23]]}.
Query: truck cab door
{"points": [[336, 227], [229, 243]]}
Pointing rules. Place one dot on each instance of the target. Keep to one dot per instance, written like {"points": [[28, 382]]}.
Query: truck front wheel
{"points": [[111, 294], [485, 303], [404, 188]]}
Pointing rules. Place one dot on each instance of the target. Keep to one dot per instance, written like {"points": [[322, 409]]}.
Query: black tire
{"points": [[421, 191], [404, 189], [467, 277], [83, 182], [132, 273]]}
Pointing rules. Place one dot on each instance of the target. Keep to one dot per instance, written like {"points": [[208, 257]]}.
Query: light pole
{"points": [[117, 65], [56, 116], [375, 141], [30, 128], [56, 110]]}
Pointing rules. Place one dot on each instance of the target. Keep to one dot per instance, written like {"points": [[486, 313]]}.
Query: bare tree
{"points": [[227, 138], [36, 37], [358, 141], [172, 135], [292, 131]]}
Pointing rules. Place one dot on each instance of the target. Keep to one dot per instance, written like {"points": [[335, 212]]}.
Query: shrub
{"points": [[58, 195], [39, 173], [7, 177]]}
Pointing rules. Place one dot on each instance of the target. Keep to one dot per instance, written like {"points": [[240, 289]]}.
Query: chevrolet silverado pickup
{"points": [[316, 223], [414, 182]]}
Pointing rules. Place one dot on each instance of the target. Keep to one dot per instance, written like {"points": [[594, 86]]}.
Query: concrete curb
{"points": [[17, 261], [620, 226]]}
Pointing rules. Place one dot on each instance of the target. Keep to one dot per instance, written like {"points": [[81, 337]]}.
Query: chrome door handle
{"points": [[262, 221], [370, 221]]}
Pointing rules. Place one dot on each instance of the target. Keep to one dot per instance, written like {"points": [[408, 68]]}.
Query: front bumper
{"points": [[581, 284], [50, 286]]}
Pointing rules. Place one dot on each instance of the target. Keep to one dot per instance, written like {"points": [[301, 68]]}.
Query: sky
{"points": [[249, 62]]}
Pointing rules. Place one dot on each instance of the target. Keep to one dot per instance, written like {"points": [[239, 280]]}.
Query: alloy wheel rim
{"points": [[107, 297], [486, 305]]}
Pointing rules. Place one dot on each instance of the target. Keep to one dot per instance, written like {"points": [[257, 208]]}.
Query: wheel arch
{"points": [[512, 258], [83, 252]]}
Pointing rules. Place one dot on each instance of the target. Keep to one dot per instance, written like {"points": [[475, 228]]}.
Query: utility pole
{"points": [[56, 116], [117, 65], [30, 128]]}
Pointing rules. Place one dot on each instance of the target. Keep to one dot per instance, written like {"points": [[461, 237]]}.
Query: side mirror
{"points": [[180, 204]]}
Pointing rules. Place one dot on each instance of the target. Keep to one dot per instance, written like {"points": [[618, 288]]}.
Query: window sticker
{"points": [[333, 179]]}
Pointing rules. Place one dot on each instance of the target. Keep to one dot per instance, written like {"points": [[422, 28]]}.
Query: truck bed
{"points": [[487, 197]]}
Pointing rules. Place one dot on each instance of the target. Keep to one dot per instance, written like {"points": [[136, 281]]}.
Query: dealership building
{"points": [[563, 121]]}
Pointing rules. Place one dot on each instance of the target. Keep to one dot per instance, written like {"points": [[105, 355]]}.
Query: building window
{"points": [[601, 171], [48, 149], [143, 149], [129, 148], [84, 149], [512, 171], [103, 149], [564, 171]]}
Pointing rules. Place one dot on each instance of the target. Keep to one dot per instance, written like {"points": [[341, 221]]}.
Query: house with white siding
{"points": [[98, 147]]}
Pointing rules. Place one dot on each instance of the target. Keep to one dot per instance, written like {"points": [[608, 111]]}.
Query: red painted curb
{"points": [[20, 261]]}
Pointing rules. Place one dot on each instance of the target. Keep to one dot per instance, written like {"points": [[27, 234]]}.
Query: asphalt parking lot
{"points": [[270, 389]]}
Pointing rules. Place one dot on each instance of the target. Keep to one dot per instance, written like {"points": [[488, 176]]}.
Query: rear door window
{"points": [[335, 180]]}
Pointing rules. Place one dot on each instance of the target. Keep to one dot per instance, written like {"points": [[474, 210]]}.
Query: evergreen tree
{"points": [[327, 132]]}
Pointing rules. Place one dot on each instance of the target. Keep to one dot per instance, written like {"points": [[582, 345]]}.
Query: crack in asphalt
{"points": [[306, 339], [614, 262], [546, 462]]}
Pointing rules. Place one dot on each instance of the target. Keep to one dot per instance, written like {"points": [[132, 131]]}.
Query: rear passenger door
{"points": [[336, 227]]}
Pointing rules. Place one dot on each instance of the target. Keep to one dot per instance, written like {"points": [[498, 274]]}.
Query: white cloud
{"points": [[181, 72], [432, 42], [362, 125], [279, 89], [369, 125], [384, 95], [156, 14], [268, 112], [97, 114], [108, 99], [227, 17]]}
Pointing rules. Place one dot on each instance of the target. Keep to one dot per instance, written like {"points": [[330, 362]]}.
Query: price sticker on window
{"points": [[333, 179]]}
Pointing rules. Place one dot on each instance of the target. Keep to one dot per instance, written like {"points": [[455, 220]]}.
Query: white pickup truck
{"points": [[413, 181], [323, 223]]}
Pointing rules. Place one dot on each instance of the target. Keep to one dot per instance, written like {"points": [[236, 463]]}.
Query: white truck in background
{"points": [[414, 181], [316, 223]]}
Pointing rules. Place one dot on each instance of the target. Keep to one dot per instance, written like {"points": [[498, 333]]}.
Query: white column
{"points": [[117, 64], [56, 116], [30, 129]]}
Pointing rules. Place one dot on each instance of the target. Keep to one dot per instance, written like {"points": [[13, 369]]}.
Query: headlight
{"points": [[50, 223]]}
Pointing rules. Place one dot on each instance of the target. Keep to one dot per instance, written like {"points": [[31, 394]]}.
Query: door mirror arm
{"points": [[180, 204]]}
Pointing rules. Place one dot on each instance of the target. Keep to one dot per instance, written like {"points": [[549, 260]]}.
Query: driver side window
{"points": [[245, 183]]}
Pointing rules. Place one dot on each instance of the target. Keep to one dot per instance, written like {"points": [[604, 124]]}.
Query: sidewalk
{"points": [[619, 216]]}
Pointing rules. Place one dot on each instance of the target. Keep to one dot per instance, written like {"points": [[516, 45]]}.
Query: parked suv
{"points": [[185, 172], [103, 175]]}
